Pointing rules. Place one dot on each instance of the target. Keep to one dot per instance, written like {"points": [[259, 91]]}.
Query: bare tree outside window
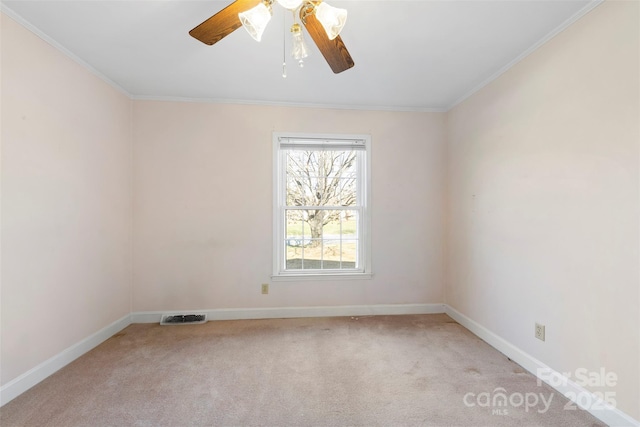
{"points": [[321, 186], [320, 179]]}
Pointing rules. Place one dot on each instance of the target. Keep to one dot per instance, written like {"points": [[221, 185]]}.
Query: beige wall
{"points": [[66, 202], [543, 177], [203, 206]]}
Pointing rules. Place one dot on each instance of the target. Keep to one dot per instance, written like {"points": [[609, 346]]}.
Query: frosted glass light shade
{"points": [[300, 49], [255, 20], [290, 4], [331, 18]]}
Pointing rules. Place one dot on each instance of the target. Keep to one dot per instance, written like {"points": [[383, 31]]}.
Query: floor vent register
{"points": [[183, 319]]}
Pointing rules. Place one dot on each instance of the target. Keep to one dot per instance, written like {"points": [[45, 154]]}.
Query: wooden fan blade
{"points": [[334, 51], [222, 23]]}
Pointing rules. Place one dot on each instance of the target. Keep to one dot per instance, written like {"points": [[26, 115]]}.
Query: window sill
{"points": [[307, 277]]}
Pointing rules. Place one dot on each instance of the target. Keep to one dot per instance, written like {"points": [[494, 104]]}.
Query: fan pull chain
{"points": [[284, 48]]}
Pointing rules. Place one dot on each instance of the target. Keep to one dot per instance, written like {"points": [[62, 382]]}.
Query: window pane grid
{"points": [[323, 178], [332, 246], [321, 206]]}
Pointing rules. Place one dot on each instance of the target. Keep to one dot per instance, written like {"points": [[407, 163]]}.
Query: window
{"points": [[321, 205]]}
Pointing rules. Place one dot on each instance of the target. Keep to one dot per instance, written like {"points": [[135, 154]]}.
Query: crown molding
{"points": [[35, 30], [289, 104], [566, 24]]}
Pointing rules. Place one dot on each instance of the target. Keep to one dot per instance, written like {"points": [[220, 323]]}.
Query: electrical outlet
{"points": [[539, 332], [265, 288]]}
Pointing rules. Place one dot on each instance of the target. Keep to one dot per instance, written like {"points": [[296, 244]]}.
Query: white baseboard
{"points": [[19, 385], [568, 388], [291, 312]]}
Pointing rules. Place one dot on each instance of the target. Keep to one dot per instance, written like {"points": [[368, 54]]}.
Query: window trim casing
{"points": [[279, 205]]}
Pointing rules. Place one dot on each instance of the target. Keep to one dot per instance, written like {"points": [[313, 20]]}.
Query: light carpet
{"points": [[414, 370]]}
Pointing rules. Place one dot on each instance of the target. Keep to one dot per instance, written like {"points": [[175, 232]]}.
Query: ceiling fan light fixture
{"points": [[290, 4], [254, 15], [331, 18], [300, 50], [255, 20]]}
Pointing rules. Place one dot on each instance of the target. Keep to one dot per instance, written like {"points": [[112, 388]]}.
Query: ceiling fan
{"points": [[323, 23]]}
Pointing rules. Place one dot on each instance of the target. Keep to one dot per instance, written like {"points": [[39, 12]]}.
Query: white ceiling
{"points": [[419, 55]]}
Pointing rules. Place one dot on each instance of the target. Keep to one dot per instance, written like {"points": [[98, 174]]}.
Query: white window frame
{"points": [[279, 205]]}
